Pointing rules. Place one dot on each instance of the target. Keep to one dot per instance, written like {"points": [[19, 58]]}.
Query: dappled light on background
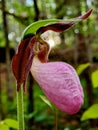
{"points": [[53, 39], [51, 43]]}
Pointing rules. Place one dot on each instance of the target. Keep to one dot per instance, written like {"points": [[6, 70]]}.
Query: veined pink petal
{"points": [[60, 83]]}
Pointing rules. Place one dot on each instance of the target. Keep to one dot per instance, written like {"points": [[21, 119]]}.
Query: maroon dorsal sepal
{"points": [[22, 61]]}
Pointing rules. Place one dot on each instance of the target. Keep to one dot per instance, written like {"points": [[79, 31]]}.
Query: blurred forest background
{"points": [[77, 46]]}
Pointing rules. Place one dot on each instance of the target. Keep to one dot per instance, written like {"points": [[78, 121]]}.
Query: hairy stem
{"points": [[56, 119], [20, 109]]}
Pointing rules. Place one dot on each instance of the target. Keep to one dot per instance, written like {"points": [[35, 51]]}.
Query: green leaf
{"points": [[11, 123], [29, 116], [94, 78], [42, 117], [91, 113], [82, 67], [93, 128], [46, 101], [3, 126]]}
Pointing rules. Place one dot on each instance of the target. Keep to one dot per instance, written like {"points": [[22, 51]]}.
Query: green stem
{"points": [[20, 109], [56, 119]]}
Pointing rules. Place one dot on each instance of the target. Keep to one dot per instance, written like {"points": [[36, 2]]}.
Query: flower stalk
{"points": [[58, 80], [20, 109]]}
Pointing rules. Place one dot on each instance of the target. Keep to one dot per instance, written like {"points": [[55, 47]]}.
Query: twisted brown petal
{"points": [[62, 26], [56, 27]]}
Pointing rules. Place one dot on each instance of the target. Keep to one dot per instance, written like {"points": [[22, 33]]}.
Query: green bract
{"points": [[90, 113], [32, 28]]}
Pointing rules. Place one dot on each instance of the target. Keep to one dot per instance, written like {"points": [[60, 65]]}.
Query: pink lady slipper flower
{"points": [[58, 80]]}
